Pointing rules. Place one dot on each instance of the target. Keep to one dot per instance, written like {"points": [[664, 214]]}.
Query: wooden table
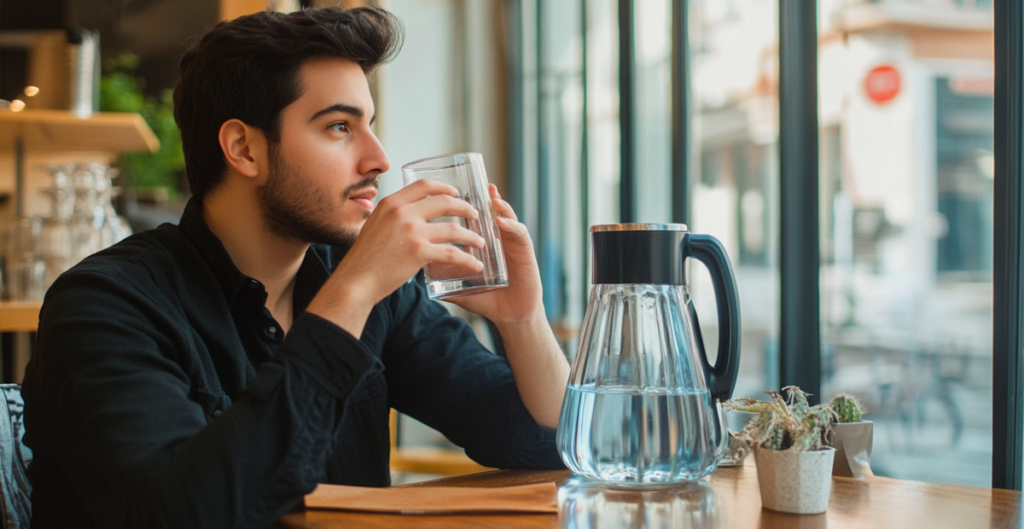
{"points": [[730, 498]]}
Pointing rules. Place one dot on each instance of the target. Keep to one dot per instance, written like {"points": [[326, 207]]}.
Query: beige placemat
{"points": [[536, 498]]}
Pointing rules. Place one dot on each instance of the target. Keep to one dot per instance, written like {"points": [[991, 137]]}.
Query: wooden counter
{"points": [[729, 499]]}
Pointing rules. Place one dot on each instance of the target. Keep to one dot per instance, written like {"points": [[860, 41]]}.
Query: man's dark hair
{"points": [[248, 69]]}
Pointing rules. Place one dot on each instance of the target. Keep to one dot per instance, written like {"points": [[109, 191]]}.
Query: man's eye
{"points": [[340, 126]]}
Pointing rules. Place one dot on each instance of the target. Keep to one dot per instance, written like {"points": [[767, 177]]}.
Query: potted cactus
{"points": [[851, 437], [794, 465]]}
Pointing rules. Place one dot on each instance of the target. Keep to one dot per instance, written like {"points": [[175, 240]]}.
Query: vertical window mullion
{"points": [[680, 112], [627, 107], [585, 151], [515, 66], [543, 197], [800, 340], [1007, 390]]}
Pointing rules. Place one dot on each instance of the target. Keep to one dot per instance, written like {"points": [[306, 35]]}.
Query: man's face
{"points": [[322, 177]]}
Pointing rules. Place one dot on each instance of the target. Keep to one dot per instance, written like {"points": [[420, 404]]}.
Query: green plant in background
{"points": [[784, 423], [122, 91], [847, 408]]}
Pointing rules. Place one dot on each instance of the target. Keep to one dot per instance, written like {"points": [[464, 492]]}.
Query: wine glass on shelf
{"points": [[115, 227], [86, 218], [55, 239], [24, 266]]}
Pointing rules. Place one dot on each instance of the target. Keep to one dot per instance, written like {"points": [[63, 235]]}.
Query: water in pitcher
{"points": [[631, 436]]}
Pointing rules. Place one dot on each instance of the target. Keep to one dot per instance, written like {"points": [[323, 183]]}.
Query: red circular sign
{"points": [[882, 84]]}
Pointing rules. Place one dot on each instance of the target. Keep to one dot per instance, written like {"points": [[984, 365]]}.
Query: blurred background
{"points": [[906, 166]]}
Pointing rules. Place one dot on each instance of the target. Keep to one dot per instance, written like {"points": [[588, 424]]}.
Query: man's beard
{"points": [[295, 208]]}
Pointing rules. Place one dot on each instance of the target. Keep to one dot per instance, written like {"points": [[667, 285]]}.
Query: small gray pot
{"points": [[852, 442]]}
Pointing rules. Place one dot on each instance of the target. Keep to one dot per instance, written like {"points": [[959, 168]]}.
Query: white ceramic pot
{"points": [[796, 482], [852, 442]]}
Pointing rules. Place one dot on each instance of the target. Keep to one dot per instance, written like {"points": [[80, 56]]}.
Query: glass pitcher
{"points": [[643, 402]]}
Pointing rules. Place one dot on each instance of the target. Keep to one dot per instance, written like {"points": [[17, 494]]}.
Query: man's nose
{"points": [[374, 158]]}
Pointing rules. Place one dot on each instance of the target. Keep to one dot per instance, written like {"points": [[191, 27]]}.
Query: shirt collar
{"points": [[194, 226], [311, 275]]}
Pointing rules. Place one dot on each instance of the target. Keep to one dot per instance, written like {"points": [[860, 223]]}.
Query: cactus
{"points": [[784, 423], [847, 408]]}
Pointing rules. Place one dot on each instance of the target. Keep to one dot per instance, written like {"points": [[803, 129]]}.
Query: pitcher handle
{"points": [[721, 377]]}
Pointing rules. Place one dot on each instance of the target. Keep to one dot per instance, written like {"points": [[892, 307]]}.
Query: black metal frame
{"points": [[515, 182], [627, 110], [799, 333], [585, 148], [543, 198], [1008, 269], [680, 112]]}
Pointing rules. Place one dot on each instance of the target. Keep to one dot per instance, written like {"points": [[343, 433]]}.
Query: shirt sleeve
{"points": [[440, 374], [109, 405]]}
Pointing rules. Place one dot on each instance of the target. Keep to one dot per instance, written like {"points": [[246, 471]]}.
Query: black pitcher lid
{"points": [[597, 228]]}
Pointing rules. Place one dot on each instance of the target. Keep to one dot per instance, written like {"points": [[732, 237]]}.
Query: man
{"points": [[212, 373]]}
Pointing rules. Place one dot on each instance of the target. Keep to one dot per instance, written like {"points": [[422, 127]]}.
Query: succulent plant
{"points": [[847, 408], [784, 423]]}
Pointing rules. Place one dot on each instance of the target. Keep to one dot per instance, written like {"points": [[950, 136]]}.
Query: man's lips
{"points": [[364, 198]]}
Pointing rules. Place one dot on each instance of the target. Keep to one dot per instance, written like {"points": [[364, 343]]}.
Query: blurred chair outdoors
{"points": [[897, 381]]}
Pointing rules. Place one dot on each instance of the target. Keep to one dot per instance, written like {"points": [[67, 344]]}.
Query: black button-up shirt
{"points": [[164, 394]]}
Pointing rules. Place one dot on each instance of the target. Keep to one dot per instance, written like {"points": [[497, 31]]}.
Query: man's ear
{"points": [[244, 147]]}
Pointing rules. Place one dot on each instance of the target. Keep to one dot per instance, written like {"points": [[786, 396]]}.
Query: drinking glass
{"points": [[88, 215], [466, 173], [55, 242], [115, 228], [25, 267]]}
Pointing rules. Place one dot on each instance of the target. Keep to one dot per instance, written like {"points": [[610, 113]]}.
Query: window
{"points": [[906, 177], [909, 241], [734, 104]]}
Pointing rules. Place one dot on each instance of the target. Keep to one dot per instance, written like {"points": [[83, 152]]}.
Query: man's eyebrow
{"points": [[340, 107]]}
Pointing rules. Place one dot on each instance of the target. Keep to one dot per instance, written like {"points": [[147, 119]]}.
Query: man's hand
{"points": [[395, 243], [523, 299]]}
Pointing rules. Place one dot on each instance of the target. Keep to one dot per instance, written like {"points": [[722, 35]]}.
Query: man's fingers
{"points": [[450, 256], [419, 190], [450, 232], [503, 209], [432, 187], [436, 206], [513, 231]]}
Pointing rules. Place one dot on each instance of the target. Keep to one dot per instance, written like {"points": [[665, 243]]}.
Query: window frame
{"points": [[1008, 250]]}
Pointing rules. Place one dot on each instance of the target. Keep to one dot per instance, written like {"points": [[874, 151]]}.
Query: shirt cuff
{"points": [[328, 354]]}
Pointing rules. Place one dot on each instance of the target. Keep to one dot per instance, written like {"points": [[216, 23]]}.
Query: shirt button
{"points": [[272, 330], [217, 413]]}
